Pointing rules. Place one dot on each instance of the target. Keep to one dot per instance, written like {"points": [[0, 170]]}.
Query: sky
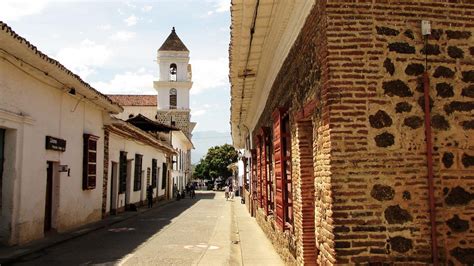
{"points": [[112, 45]]}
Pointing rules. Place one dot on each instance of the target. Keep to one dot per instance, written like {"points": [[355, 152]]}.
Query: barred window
{"points": [[137, 184], [89, 169]]}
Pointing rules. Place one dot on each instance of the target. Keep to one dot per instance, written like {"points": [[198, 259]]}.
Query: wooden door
{"points": [[49, 197]]}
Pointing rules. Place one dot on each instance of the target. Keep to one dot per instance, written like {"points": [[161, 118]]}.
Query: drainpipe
{"points": [[429, 160], [426, 30]]}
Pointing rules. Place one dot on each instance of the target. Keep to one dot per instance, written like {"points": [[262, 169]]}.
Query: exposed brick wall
{"points": [[376, 58], [106, 173], [361, 62], [309, 81], [282, 241], [304, 193]]}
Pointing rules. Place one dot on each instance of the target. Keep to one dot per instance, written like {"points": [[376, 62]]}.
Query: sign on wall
{"points": [[55, 144]]}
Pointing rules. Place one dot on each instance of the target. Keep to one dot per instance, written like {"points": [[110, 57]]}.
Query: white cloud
{"points": [[147, 8], [123, 36], [129, 4], [16, 9], [198, 112], [104, 27], [208, 74], [84, 58], [222, 6], [132, 20], [130, 82]]}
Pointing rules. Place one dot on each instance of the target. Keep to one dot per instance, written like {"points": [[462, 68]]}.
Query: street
{"points": [[200, 231]]}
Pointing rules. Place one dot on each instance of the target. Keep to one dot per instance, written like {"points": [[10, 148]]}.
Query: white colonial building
{"points": [[171, 104], [65, 160], [51, 130]]}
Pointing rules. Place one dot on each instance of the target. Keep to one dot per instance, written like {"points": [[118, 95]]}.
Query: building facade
{"points": [[171, 104], [359, 124], [65, 161], [136, 159], [52, 136]]}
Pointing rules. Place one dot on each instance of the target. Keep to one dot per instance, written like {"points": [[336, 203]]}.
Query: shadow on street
{"points": [[110, 244]]}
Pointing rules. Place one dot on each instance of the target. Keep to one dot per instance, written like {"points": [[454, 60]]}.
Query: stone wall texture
{"points": [[355, 72], [180, 118]]}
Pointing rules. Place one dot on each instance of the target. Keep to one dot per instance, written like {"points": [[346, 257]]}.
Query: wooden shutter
{"points": [[259, 171], [164, 176], [264, 168], [286, 161], [154, 170], [279, 168], [137, 184], [89, 169], [254, 174], [123, 172], [269, 169]]}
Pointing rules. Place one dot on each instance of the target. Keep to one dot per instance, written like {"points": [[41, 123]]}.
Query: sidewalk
{"points": [[9, 254], [255, 248]]}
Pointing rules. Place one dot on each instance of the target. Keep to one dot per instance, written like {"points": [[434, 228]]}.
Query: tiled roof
{"points": [[134, 100], [135, 133], [173, 43], [23, 48]]}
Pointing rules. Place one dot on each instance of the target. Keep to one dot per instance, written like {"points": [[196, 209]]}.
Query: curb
{"points": [[76, 234]]}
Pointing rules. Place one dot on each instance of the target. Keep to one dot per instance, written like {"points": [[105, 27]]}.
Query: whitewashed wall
{"points": [[31, 110], [118, 143]]}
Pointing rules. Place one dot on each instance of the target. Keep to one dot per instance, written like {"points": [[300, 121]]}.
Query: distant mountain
{"points": [[203, 140]]}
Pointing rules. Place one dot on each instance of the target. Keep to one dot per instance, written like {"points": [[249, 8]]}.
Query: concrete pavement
{"points": [[255, 247], [207, 230]]}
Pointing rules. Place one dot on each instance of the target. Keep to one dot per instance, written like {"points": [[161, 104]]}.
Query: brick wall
{"points": [[379, 175], [359, 63], [309, 83], [106, 173]]}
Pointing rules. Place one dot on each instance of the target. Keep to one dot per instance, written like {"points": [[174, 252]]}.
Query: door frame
{"points": [[113, 187]]}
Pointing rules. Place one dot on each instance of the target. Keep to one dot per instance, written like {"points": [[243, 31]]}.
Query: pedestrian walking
{"points": [[193, 192], [231, 191], [226, 192], [149, 196]]}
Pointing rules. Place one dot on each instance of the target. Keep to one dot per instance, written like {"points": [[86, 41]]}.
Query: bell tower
{"points": [[174, 84]]}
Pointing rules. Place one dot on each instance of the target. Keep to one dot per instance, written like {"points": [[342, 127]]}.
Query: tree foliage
{"points": [[215, 163]]}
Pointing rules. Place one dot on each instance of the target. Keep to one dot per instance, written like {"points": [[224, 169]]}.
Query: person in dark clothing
{"points": [[193, 192], [149, 196]]}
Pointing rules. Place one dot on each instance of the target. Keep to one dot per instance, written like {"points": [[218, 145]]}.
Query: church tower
{"points": [[174, 84]]}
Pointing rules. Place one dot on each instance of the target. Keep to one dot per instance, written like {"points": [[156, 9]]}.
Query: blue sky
{"points": [[112, 45]]}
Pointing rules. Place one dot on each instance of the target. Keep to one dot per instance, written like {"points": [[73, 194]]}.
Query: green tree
{"points": [[215, 163]]}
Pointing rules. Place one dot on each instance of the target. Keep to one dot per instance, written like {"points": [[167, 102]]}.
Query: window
{"points": [[254, 174], [287, 180], [137, 184], [2, 159], [282, 157], [89, 167], [164, 176], [154, 171], [173, 72], [123, 172], [148, 176], [260, 171], [2, 149], [269, 170], [173, 98]]}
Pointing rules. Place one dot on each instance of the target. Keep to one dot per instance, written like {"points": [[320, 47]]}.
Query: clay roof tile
{"points": [[173, 43]]}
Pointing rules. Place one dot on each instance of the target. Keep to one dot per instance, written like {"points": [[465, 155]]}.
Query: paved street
{"points": [[207, 230]]}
